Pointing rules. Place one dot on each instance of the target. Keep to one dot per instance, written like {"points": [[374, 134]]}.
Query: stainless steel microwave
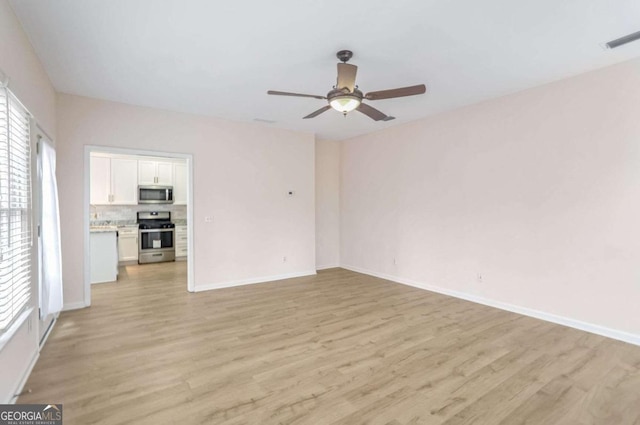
{"points": [[155, 194]]}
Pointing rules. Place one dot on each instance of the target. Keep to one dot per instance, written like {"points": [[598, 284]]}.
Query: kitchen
{"points": [[137, 212]]}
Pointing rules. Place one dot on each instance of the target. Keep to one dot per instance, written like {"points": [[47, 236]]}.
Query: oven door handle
{"points": [[155, 230]]}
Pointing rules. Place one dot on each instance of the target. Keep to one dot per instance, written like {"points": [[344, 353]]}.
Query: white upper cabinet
{"points": [[100, 180], [165, 173], [180, 184], [147, 172], [155, 173], [113, 181], [124, 174]]}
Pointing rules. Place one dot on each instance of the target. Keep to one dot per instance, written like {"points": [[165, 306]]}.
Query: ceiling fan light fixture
{"points": [[346, 97], [345, 103]]}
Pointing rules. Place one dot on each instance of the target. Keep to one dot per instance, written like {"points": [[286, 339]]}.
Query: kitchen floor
{"points": [[174, 272]]}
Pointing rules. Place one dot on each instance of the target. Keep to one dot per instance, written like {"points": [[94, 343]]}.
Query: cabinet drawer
{"points": [[181, 251], [127, 231]]}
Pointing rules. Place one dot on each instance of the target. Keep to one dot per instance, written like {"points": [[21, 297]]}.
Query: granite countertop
{"points": [[117, 223], [98, 224], [134, 225], [103, 229]]}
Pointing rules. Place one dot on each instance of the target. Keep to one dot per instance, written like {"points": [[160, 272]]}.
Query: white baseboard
{"points": [[327, 266], [251, 281], [542, 315], [74, 306], [52, 324]]}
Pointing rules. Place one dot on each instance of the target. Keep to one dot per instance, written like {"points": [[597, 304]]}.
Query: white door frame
{"points": [[88, 149]]}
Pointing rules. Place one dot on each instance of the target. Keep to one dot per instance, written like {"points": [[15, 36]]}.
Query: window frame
{"points": [[16, 200]]}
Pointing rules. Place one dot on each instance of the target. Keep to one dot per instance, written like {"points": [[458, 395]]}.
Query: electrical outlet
{"points": [[208, 219]]}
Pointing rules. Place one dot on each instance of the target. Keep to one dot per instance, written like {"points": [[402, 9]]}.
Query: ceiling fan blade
{"points": [[347, 76], [373, 113], [401, 92], [284, 93], [318, 112]]}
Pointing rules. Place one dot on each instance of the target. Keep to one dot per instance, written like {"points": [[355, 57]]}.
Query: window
{"points": [[15, 209]]}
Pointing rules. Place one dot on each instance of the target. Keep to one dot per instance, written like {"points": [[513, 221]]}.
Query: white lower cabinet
{"points": [[128, 243], [181, 241], [104, 256]]}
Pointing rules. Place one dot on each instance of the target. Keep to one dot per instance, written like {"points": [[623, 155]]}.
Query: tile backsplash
{"points": [[126, 214]]}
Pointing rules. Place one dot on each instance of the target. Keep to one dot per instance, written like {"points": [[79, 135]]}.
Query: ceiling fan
{"points": [[346, 97]]}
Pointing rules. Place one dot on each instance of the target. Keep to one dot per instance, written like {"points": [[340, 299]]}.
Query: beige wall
{"points": [[242, 173], [30, 83], [538, 192], [27, 78], [327, 204]]}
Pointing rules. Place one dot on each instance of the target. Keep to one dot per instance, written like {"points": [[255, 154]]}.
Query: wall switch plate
{"points": [[208, 219]]}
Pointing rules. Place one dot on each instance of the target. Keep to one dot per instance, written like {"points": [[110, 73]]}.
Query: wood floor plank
{"points": [[336, 348]]}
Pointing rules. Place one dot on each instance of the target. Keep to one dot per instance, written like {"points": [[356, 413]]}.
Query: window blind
{"points": [[15, 208]]}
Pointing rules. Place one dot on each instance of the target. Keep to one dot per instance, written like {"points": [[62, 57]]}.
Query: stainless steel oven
{"points": [[156, 241]]}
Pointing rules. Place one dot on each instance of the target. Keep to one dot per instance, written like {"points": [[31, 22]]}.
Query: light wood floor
{"points": [[336, 348]]}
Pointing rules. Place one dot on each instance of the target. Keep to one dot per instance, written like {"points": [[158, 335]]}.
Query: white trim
{"points": [[251, 281], [52, 324], [74, 306], [191, 283], [542, 315], [88, 149], [327, 266], [86, 263], [25, 377]]}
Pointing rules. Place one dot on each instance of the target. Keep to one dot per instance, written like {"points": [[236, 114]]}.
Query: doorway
{"points": [[112, 204]]}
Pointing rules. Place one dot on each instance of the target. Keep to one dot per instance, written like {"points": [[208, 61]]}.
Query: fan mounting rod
{"points": [[344, 55]]}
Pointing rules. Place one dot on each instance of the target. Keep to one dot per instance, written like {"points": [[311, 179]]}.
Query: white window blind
{"points": [[15, 208]]}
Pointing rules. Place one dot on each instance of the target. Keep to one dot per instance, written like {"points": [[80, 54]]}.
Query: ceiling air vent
{"points": [[623, 40], [264, 121]]}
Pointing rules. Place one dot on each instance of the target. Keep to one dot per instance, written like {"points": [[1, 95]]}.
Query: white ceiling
{"points": [[219, 58]]}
